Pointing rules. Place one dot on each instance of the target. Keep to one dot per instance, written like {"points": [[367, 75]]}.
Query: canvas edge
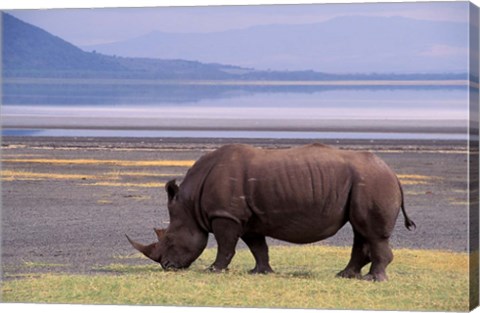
{"points": [[473, 157]]}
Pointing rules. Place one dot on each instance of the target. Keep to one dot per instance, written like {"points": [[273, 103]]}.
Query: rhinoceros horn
{"points": [[148, 251]]}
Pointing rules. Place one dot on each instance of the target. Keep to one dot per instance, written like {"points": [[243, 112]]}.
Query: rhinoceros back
{"points": [[278, 192]]}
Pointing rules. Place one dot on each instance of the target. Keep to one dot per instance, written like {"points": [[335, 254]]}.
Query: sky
{"points": [[104, 25]]}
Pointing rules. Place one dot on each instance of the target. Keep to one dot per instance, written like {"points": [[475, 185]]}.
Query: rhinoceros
{"points": [[299, 195]]}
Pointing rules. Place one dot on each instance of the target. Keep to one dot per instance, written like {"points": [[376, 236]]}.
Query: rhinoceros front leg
{"points": [[226, 232], [258, 247]]}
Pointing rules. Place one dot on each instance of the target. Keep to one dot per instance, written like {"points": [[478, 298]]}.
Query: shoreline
{"points": [[168, 121], [212, 143], [346, 82]]}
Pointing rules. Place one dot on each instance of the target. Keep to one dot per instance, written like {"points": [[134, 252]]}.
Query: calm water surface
{"points": [[82, 110]]}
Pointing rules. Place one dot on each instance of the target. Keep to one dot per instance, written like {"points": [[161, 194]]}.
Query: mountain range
{"points": [[348, 44], [28, 48], [28, 51]]}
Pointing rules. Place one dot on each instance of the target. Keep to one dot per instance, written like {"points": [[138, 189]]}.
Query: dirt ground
{"points": [[67, 202]]}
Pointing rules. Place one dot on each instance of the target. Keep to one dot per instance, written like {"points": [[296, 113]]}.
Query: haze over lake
{"points": [[310, 69], [379, 109]]}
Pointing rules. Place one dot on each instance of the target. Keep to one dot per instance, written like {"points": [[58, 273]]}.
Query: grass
{"points": [[143, 163], [13, 175], [110, 179], [412, 179], [304, 278], [125, 184]]}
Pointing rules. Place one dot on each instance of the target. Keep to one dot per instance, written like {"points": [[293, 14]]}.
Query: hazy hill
{"points": [[344, 45], [29, 48]]}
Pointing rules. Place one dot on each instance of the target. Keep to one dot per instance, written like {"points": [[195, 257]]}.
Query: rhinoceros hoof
{"points": [[375, 277], [261, 271], [349, 274]]}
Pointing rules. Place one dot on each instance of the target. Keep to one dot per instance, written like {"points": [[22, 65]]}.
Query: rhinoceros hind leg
{"points": [[258, 246], [226, 232], [381, 255], [358, 259]]}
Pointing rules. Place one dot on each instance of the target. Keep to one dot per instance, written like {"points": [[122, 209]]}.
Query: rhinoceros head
{"points": [[181, 243]]}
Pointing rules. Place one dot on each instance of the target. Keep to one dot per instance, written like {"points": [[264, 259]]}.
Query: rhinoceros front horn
{"points": [[148, 251]]}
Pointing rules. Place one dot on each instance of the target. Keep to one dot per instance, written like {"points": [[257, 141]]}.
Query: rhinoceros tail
{"points": [[409, 224]]}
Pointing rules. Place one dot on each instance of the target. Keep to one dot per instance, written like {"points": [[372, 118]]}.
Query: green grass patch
{"points": [[304, 278]]}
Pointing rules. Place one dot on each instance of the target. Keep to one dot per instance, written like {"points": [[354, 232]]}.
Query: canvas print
{"points": [[309, 156]]}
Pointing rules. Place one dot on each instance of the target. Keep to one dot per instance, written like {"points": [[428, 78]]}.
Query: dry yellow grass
{"points": [[130, 163], [415, 176], [9, 175], [126, 184], [12, 175], [145, 174], [104, 201], [110, 179], [408, 182], [414, 179]]}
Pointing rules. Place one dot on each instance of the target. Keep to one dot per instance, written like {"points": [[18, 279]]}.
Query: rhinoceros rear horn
{"points": [[160, 232], [148, 251]]}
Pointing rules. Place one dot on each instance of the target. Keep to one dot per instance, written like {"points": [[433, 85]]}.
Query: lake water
{"points": [[235, 111]]}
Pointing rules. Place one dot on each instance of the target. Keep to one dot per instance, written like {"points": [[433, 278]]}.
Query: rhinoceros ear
{"points": [[160, 232], [172, 189]]}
